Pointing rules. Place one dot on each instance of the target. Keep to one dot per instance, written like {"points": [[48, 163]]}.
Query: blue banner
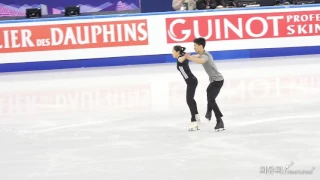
{"points": [[18, 7]]}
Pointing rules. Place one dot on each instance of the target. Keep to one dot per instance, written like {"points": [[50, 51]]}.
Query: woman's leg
{"points": [[191, 89]]}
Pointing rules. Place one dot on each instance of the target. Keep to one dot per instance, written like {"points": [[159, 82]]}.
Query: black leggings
{"points": [[191, 90], [213, 91]]}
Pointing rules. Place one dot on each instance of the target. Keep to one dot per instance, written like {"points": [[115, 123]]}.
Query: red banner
{"points": [[73, 36], [243, 26]]}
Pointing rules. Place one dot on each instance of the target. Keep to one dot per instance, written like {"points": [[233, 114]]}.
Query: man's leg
{"points": [[213, 91], [209, 109]]}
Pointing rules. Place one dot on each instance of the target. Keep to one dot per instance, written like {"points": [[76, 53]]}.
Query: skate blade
{"points": [[194, 129], [208, 119], [221, 129]]}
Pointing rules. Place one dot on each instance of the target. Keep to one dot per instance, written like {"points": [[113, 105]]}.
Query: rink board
{"points": [[116, 40]]}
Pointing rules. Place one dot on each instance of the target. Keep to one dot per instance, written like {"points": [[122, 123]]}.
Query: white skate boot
{"points": [[194, 126], [198, 118]]}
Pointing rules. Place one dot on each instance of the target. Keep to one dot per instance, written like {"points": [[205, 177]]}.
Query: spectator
{"points": [[209, 4], [176, 4]]}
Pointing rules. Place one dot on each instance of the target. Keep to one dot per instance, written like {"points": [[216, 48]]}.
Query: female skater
{"points": [[191, 81]]}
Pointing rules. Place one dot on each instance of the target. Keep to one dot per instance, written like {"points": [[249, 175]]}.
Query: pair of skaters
{"points": [[215, 77]]}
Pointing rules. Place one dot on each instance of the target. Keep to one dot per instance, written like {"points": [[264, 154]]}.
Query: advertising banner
{"points": [[245, 26], [73, 36]]}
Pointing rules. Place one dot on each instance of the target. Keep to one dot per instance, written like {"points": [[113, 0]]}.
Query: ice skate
{"points": [[208, 115], [194, 126], [219, 125], [198, 118]]}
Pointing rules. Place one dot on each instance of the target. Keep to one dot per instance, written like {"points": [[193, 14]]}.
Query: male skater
{"points": [[215, 77]]}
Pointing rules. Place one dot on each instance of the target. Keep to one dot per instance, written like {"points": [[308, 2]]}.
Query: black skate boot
{"points": [[209, 115], [219, 125]]}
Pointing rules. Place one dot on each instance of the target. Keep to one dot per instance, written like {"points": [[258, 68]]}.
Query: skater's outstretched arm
{"points": [[196, 59]]}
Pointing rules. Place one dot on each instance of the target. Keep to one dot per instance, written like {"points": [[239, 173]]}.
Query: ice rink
{"points": [[131, 123]]}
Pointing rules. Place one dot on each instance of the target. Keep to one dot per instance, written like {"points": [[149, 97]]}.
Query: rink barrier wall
{"points": [[153, 59], [156, 47]]}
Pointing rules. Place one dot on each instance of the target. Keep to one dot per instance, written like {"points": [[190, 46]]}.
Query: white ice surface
{"points": [[124, 123]]}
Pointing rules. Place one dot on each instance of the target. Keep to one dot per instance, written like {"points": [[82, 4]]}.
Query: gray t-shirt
{"points": [[210, 67]]}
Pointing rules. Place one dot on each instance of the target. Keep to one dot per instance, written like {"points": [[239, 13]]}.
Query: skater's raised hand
{"points": [[188, 56]]}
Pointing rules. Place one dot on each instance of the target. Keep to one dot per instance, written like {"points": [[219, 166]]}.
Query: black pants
{"points": [[191, 90], [213, 91]]}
